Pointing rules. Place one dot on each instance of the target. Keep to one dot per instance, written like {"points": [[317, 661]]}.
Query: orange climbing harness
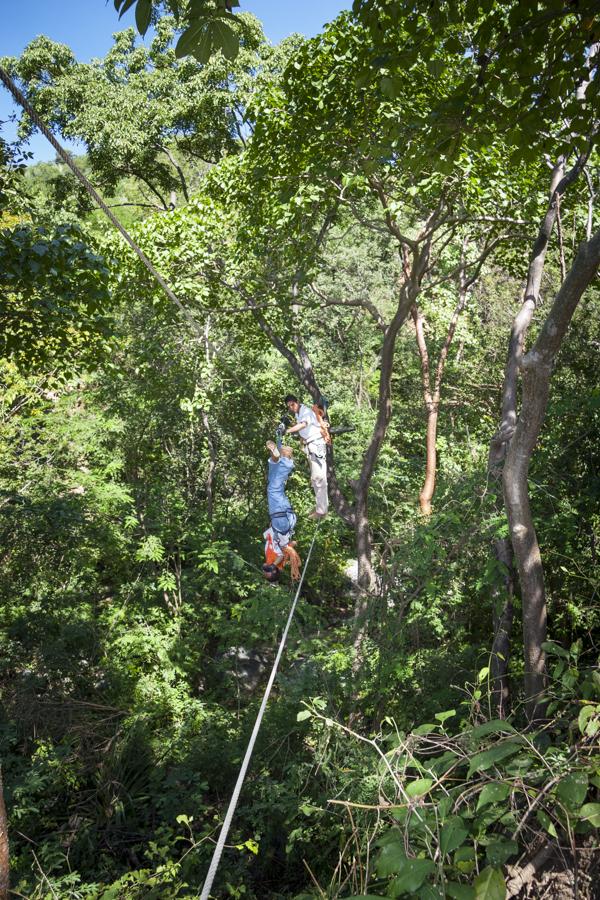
{"points": [[323, 423], [287, 555]]}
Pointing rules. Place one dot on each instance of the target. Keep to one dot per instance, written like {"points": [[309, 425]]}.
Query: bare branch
{"points": [[179, 171], [364, 304], [390, 221]]}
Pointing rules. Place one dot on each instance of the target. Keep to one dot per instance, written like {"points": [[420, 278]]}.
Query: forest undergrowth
{"points": [[398, 216]]}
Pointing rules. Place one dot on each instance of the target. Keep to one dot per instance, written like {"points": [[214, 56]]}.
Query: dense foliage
{"points": [[350, 221]]}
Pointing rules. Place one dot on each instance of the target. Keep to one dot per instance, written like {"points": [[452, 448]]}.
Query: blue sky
{"points": [[87, 26]]}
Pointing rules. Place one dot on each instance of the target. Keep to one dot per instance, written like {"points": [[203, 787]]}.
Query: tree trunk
{"points": [[529, 565], [366, 576], [365, 583], [426, 495], [499, 443], [537, 369], [431, 397], [4, 848], [503, 621]]}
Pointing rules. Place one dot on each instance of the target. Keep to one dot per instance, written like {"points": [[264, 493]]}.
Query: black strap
{"points": [[278, 515]]}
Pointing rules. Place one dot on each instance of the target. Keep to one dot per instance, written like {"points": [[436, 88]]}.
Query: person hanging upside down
{"points": [[280, 549]]}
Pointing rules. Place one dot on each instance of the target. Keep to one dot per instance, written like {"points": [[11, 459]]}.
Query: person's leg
{"points": [[318, 479], [274, 450]]}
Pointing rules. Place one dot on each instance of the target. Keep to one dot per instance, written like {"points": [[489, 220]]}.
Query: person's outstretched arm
{"points": [[294, 428]]}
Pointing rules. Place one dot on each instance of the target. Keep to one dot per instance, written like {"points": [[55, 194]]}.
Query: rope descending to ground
{"points": [[216, 857]]}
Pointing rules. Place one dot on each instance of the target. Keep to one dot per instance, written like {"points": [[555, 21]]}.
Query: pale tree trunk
{"points": [[362, 532], [366, 577], [427, 491], [537, 368], [503, 616], [365, 584], [4, 847], [503, 611], [558, 185]]}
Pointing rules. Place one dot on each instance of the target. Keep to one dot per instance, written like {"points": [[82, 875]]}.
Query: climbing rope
{"points": [[216, 857], [70, 162]]}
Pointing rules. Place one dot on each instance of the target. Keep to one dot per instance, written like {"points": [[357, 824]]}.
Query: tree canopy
{"points": [[395, 219]]}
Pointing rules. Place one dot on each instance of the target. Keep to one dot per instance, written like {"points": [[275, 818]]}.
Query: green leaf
{"points": [[487, 758], [493, 793], [459, 891], [441, 717], [489, 885], [430, 892], [494, 726], [418, 787], [586, 713], [452, 835], [143, 13], [188, 40], [391, 859], [547, 823], [425, 729], [590, 812], [572, 789], [224, 38], [126, 5], [203, 49], [303, 715], [413, 874], [499, 852], [555, 649]]}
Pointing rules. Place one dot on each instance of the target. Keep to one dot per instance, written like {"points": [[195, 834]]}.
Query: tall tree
{"points": [[141, 113], [544, 102], [322, 147]]}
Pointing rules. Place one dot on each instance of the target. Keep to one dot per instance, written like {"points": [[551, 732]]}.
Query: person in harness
{"points": [[313, 431], [280, 549]]}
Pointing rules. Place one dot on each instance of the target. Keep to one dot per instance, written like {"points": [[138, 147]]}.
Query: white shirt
{"points": [[312, 431]]}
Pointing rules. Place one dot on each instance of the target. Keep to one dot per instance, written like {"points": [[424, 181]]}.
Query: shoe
{"points": [[317, 516]]}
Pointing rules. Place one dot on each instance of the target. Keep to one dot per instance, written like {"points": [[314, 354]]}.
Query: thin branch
{"points": [[179, 171], [391, 223], [140, 205], [366, 305]]}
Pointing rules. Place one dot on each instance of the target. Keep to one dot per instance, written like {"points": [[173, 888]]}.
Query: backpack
{"points": [[322, 421]]}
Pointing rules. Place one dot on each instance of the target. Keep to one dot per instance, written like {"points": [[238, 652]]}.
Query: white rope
{"points": [[216, 857]]}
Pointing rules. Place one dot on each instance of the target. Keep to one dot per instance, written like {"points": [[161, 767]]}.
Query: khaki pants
{"points": [[316, 453]]}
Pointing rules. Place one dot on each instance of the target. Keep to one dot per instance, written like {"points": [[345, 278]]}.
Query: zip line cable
{"points": [[66, 157], [216, 857]]}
